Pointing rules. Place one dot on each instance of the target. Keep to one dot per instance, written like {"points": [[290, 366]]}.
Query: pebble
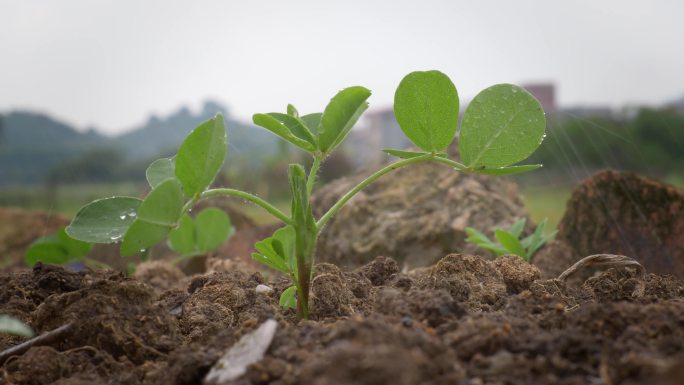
{"points": [[263, 289]]}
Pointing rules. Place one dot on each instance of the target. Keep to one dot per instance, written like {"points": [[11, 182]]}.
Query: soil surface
{"points": [[464, 320]]}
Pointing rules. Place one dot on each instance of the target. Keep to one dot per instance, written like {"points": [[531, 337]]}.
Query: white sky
{"points": [[112, 63]]}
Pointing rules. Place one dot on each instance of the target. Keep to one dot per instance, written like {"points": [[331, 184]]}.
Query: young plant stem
{"points": [[312, 174], [454, 164], [243, 195], [306, 233], [405, 162]]}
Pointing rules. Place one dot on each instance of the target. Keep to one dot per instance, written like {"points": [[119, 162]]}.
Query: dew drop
{"points": [[115, 237], [132, 214], [122, 217]]}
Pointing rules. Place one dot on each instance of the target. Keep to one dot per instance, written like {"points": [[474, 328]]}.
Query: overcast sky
{"points": [[111, 63]]}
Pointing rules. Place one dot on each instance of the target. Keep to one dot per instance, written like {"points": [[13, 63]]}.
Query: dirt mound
{"points": [[622, 213], [415, 215], [463, 320]]}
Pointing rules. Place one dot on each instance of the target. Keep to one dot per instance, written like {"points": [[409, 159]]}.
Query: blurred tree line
{"points": [[651, 142]]}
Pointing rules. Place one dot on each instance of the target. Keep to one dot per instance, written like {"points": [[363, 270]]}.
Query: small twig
{"points": [[610, 260], [43, 339]]}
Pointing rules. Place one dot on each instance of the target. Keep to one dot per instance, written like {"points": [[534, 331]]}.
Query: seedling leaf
{"points": [[104, 220], [510, 242], [11, 325], [312, 121], [292, 111], [182, 238], [277, 251], [288, 299], [535, 241], [340, 115], [201, 156], [518, 227], [275, 126], [426, 108], [271, 260], [159, 170], [480, 239], [157, 215], [503, 125], [46, 250], [212, 228], [296, 126], [57, 248], [141, 236]]}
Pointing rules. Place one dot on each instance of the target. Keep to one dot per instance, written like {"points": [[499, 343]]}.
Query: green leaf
{"points": [[482, 241], [296, 126], [201, 156], [157, 215], [409, 154], [510, 242], [426, 108], [272, 124], [503, 125], [535, 241], [340, 115], [277, 251], [518, 227], [507, 170], [288, 299], [476, 236], [141, 236], [47, 252], [57, 248], [312, 122], [11, 325], [182, 238], [159, 170], [272, 261], [292, 111], [104, 220], [212, 227]]}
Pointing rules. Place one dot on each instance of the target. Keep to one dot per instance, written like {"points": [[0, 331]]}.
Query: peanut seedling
{"points": [[509, 242], [502, 125]]}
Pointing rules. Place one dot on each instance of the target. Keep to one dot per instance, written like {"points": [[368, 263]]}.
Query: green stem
{"points": [[243, 195], [405, 162], [454, 164], [312, 174]]}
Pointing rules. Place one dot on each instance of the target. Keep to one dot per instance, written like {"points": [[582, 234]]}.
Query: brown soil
{"points": [[464, 320]]}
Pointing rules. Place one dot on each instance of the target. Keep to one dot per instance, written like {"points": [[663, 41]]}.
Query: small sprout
{"points": [[509, 241], [501, 127]]}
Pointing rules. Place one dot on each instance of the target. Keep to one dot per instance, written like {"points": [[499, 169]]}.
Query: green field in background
{"points": [[542, 200], [65, 199]]}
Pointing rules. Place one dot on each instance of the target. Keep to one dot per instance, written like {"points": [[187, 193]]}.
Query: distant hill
{"points": [[34, 145]]}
